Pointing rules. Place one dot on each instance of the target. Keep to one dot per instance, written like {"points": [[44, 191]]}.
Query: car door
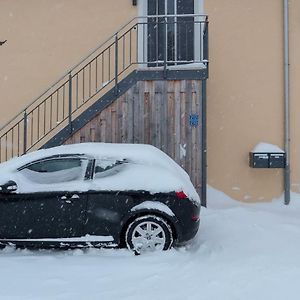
{"points": [[49, 201], [106, 208]]}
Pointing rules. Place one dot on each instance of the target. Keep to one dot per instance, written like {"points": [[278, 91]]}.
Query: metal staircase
{"points": [[99, 73]]}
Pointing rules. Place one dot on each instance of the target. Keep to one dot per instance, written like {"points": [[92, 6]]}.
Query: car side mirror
{"points": [[8, 187]]}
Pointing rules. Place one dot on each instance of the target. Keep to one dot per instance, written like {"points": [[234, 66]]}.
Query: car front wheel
{"points": [[148, 233]]}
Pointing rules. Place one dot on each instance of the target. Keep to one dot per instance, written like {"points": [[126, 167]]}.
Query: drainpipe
{"points": [[287, 171]]}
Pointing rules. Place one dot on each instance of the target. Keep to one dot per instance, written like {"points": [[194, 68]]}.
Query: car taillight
{"points": [[181, 195], [195, 218]]}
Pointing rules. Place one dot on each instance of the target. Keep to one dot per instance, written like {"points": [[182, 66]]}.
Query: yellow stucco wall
{"points": [[45, 38], [295, 92], [245, 94], [245, 88]]}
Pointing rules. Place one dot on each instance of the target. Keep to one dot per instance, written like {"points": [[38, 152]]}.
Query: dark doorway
{"points": [[170, 32]]}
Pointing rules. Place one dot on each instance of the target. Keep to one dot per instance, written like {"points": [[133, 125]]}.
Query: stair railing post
{"points": [[25, 133], [70, 103], [206, 44], [116, 64], [165, 46]]}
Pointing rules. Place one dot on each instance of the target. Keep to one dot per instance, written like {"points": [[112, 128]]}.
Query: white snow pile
{"points": [[184, 66], [154, 205], [147, 169], [242, 252], [189, 66], [266, 147]]}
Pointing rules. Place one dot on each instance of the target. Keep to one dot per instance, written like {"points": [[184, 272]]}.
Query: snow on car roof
{"points": [[154, 160]]}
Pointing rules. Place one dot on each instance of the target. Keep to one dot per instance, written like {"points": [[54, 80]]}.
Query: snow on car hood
{"points": [[148, 169]]}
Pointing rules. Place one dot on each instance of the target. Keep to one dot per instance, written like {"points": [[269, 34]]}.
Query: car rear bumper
{"points": [[188, 216], [187, 236]]}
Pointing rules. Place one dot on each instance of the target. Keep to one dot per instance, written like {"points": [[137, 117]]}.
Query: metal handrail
{"points": [[59, 100], [94, 51]]}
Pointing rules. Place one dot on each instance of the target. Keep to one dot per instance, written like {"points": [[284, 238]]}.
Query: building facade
{"points": [[245, 89]]}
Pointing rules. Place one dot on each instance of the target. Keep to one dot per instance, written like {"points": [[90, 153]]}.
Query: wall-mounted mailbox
{"points": [[266, 160], [277, 160], [259, 160]]}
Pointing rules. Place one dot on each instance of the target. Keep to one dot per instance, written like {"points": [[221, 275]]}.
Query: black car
{"points": [[97, 194]]}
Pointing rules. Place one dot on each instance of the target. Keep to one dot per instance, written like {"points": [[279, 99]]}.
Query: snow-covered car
{"points": [[97, 194]]}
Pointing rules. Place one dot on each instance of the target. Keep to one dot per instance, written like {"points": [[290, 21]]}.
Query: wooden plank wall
{"points": [[157, 113]]}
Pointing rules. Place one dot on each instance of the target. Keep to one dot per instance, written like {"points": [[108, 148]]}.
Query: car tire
{"points": [[148, 233]]}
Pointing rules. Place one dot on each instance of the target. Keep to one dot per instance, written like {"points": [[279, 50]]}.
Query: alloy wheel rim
{"points": [[148, 236]]}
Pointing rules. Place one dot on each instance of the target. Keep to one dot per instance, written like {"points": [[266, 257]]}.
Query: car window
{"points": [[104, 168], [55, 170]]}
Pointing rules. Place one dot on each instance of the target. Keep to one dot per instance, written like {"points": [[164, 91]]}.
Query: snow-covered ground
{"points": [[243, 251]]}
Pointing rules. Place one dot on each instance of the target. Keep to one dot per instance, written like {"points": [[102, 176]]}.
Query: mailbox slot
{"points": [[259, 160], [277, 160]]}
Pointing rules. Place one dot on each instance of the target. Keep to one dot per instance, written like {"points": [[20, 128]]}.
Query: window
{"points": [[104, 168], [55, 170], [54, 165]]}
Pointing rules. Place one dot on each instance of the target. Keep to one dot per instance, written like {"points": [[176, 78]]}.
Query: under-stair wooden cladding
{"points": [[156, 113]]}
